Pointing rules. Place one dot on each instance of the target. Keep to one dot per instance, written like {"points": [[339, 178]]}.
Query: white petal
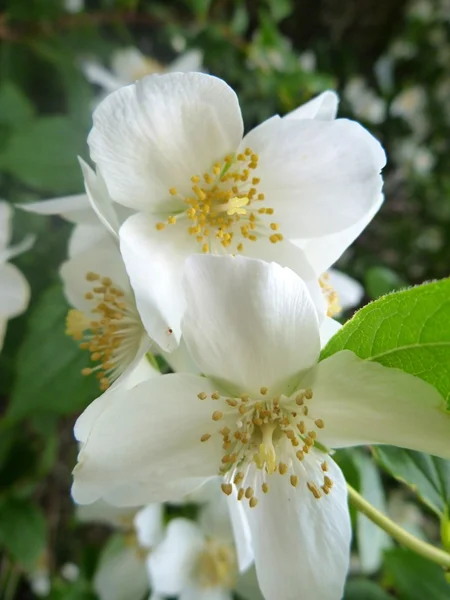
{"points": [[291, 256], [3, 325], [128, 63], [301, 544], [158, 133], [144, 443], [83, 237], [172, 563], [96, 73], [17, 249], [362, 402], [154, 261], [180, 360], [189, 61], [149, 525], [102, 258], [322, 252], [328, 328], [102, 512], [121, 576], [99, 198], [14, 291], [76, 209], [319, 177], [247, 586], [323, 108], [5, 224], [350, 292], [248, 322], [241, 532], [141, 372], [199, 593]]}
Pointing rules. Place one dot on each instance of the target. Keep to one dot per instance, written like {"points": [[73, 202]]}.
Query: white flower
{"points": [[171, 147], [14, 288], [130, 64], [364, 102], [122, 572], [263, 418], [73, 6], [410, 105]]}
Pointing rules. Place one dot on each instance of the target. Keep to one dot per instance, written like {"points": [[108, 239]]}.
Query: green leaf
{"points": [[49, 378], [22, 531], [15, 108], [408, 330], [379, 281], [415, 578], [428, 476], [363, 589], [43, 155]]}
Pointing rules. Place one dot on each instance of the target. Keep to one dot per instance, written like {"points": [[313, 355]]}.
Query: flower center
{"points": [[263, 437], [224, 208], [217, 566], [331, 296], [113, 337]]}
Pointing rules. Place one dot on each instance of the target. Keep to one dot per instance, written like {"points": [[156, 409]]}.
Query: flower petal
{"points": [[301, 544], [3, 325], [149, 525], [362, 402], [5, 224], [350, 292], [76, 209], [14, 291], [319, 177], [83, 237], [102, 512], [158, 133], [99, 198], [241, 532], [189, 61], [172, 564], [142, 445], [322, 252], [201, 593], [328, 328], [154, 261], [96, 73], [17, 249], [291, 256], [121, 575], [323, 108], [248, 322]]}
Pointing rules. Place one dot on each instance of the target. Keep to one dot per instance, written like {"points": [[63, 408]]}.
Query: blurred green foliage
{"points": [[276, 54]]}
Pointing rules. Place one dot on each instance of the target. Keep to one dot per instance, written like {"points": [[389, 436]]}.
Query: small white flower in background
{"points": [[308, 61], [198, 560], [413, 157], [410, 105], [74, 6], [14, 288], [262, 418], [122, 573], [199, 186], [364, 102], [39, 578], [130, 64], [70, 571]]}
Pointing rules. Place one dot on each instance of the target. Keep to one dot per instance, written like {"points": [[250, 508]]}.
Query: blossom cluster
{"points": [[212, 250]]}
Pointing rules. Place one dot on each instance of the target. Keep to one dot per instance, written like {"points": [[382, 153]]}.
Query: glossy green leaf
{"points": [[408, 330], [49, 378], [428, 476]]}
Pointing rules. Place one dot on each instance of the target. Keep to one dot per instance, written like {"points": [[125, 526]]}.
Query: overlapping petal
{"points": [[323, 108], [14, 291], [166, 129], [248, 322]]}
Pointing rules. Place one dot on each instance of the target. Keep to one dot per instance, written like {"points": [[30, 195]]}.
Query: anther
{"points": [[173, 191], [215, 395], [227, 488], [205, 437], [265, 488], [324, 466], [240, 494], [202, 396], [308, 393], [253, 502], [263, 391], [217, 415], [294, 480], [249, 492], [282, 468], [319, 423]]}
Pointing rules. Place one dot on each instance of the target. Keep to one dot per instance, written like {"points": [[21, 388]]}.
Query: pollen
{"points": [[109, 332], [220, 209], [330, 294]]}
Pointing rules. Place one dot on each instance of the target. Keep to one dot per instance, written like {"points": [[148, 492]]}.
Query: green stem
{"points": [[398, 533]]}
